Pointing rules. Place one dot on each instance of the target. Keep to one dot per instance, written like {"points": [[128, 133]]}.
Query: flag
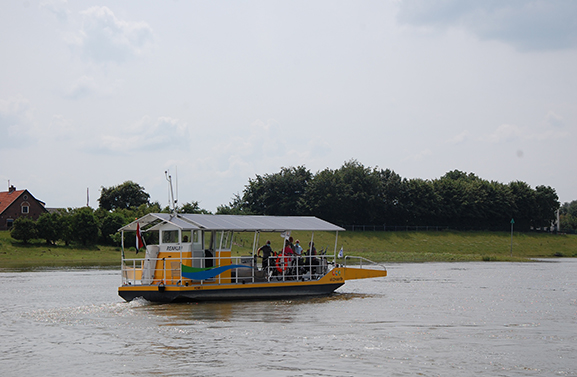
{"points": [[341, 252], [139, 240], [285, 235]]}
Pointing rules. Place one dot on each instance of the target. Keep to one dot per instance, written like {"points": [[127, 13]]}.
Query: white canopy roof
{"points": [[237, 223]]}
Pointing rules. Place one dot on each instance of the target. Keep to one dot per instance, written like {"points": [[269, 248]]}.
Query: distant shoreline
{"points": [[378, 246]]}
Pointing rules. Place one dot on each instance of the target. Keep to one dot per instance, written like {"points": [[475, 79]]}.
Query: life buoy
{"points": [[282, 262]]}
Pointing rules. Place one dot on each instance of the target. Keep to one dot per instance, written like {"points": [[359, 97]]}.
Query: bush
{"points": [[49, 227], [24, 229], [84, 226]]}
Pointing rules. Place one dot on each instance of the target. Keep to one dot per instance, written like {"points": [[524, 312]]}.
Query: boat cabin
{"points": [[191, 249]]}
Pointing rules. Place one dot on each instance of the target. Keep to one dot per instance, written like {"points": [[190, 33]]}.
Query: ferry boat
{"points": [[190, 259]]}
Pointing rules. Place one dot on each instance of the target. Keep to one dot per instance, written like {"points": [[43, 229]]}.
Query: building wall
{"points": [[15, 210]]}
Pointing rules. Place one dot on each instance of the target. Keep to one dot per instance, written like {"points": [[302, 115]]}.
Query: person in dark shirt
{"points": [[266, 253], [311, 259]]}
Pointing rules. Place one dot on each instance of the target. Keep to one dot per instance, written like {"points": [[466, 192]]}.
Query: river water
{"points": [[431, 319]]}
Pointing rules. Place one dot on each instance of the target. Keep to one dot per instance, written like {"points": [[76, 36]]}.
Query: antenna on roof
{"points": [[172, 200]]}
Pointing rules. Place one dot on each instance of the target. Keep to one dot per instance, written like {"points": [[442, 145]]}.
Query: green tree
{"points": [[110, 225], [547, 203], [23, 229], [144, 209], [66, 222], [49, 226], [569, 208], [524, 208], [420, 203], [451, 190], [84, 226], [568, 216], [236, 207], [278, 194], [192, 207], [323, 197], [360, 187], [391, 193], [126, 195]]}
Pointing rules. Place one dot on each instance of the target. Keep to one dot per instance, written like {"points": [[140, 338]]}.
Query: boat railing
{"points": [[168, 271], [360, 262]]}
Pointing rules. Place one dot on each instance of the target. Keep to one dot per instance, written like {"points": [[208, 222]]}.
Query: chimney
{"points": [[11, 189]]}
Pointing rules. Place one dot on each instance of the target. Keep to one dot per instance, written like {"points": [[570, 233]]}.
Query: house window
{"points": [[9, 223], [25, 208]]}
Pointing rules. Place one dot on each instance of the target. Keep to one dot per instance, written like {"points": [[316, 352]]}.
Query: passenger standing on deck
{"points": [[290, 244], [266, 253], [298, 248], [298, 252], [312, 260]]}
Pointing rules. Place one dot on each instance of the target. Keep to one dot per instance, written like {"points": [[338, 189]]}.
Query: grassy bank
{"points": [[443, 246], [14, 254], [387, 247], [448, 246]]}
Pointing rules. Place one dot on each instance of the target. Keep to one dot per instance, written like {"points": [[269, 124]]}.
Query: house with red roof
{"points": [[18, 203]]}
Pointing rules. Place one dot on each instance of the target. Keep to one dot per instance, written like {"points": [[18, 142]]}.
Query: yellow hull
{"points": [[242, 291]]}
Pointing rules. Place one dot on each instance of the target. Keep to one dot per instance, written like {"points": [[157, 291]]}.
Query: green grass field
{"points": [[385, 247], [14, 254]]}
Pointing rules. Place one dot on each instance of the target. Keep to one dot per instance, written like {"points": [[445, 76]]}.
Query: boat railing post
{"points": [[122, 253], [255, 243], [336, 242], [297, 266], [163, 271]]}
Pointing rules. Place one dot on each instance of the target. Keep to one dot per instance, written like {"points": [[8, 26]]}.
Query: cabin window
{"points": [[186, 236], [224, 240], [195, 236], [170, 236]]}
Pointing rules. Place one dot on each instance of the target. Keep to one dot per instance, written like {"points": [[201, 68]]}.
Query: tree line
{"points": [[568, 216], [359, 195], [351, 195], [118, 206]]}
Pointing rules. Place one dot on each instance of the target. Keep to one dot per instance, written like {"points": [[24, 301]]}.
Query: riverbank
{"points": [[385, 247], [15, 254]]}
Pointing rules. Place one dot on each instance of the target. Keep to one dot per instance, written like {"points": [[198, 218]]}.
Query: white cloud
{"points": [[15, 121], [505, 133], [526, 24], [83, 87], [148, 135], [554, 120], [420, 156], [105, 38], [60, 128], [459, 139], [57, 7], [88, 86]]}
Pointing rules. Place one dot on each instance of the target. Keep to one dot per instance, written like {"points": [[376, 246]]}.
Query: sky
{"points": [[96, 93]]}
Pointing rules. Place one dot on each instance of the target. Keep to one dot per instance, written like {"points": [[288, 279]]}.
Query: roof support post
{"points": [[336, 241]]}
